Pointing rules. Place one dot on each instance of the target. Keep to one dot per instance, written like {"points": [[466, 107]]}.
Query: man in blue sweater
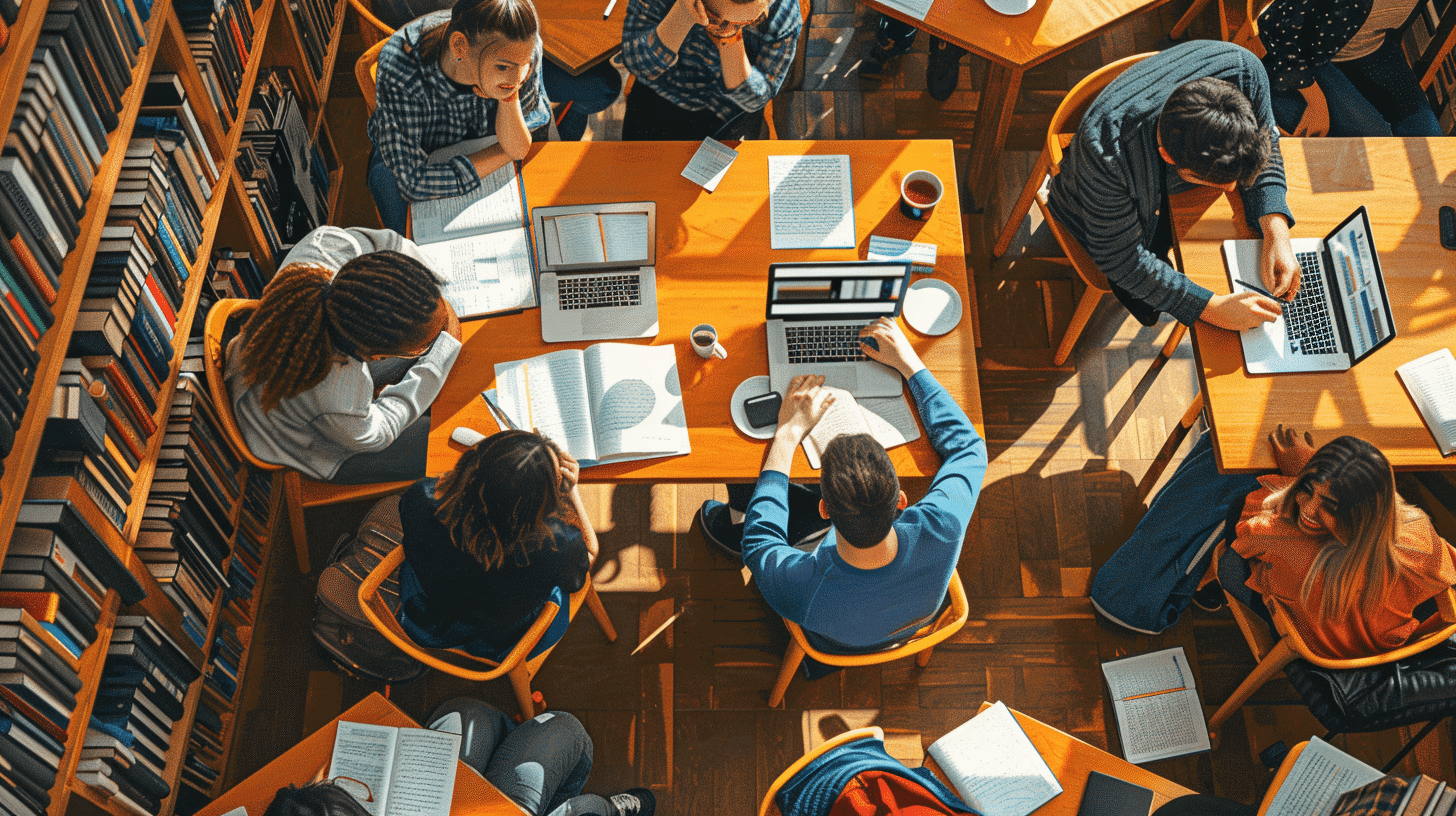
{"points": [[875, 578]]}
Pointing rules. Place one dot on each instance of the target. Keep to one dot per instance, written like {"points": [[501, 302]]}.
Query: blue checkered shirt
{"points": [[420, 110], [693, 77]]}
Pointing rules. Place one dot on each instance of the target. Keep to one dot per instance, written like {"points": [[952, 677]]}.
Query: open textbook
{"points": [[409, 771], [1158, 713], [1319, 776], [1431, 383], [480, 242], [890, 420], [992, 764], [613, 402]]}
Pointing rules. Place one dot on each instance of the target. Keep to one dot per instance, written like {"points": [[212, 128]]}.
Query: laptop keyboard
{"points": [[823, 344], [1308, 326], [599, 291]]}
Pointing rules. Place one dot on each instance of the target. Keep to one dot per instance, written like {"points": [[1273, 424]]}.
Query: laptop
{"points": [[597, 278], [815, 313], [1341, 314]]}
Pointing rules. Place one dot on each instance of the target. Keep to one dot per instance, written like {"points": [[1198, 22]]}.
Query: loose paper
{"points": [[810, 202], [914, 8], [710, 164], [920, 255]]}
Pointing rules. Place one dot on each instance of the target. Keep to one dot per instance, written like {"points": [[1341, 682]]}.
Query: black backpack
{"points": [[343, 634]]}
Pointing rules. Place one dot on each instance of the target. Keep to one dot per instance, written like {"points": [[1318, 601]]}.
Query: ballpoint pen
{"points": [[610, 5], [1261, 291]]}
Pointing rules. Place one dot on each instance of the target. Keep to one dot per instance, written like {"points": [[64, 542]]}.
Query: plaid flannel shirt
{"points": [[420, 110], [692, 78]]}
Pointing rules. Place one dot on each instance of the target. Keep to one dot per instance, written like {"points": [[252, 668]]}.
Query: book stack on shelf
{"points": [[40, 565], [236, 275], [1427, 46], [284, 171], [31, 742], [220, 35], [315, 22]]}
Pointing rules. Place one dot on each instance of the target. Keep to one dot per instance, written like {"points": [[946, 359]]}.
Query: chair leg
{"points": [[792, 658], [1022, 207], [1085, 307], [1410, 746], [594, 603], [1186, 20], [1171, 347], [923, 659], [521, 684], [293, 497], [1277, 659]]}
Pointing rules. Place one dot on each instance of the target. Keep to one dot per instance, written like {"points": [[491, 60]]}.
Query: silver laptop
{"points": [[815, 313], [597, 278], [1341, 314]]}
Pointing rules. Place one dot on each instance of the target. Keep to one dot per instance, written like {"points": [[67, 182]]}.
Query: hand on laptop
{"points": [[1277, 265], [890, 346], [1239, 311], [803, 407]]}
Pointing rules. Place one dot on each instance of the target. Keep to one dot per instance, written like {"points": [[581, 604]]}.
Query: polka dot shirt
{"points": [[1301, 35]]}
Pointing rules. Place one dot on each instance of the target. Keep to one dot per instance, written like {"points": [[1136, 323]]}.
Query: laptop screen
{"points": [[836, 291], [1356, 269]]}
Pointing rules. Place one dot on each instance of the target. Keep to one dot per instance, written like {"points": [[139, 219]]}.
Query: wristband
{"points": [[736, 36]]}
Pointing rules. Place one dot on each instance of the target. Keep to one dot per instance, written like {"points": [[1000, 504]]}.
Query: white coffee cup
{"points": [[705, 342]]}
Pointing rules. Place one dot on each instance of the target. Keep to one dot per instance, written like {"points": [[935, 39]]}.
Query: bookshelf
{"points": [[1427, 40]]}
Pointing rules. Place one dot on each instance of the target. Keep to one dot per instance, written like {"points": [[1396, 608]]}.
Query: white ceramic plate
{"points": [[932, 307], [751, 387], [1011, 8]]}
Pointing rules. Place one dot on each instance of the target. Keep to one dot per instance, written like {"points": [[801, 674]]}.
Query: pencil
{"points": [[610, 5], [1151, 693], [530, 416], [1261, 291]]}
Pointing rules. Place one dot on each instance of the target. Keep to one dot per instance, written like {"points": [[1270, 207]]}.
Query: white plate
{"points": [[1011, 8], [932, 307], [751, 387]]}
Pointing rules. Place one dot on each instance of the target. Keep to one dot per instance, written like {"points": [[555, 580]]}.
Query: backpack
{"points": [[350, 642]]}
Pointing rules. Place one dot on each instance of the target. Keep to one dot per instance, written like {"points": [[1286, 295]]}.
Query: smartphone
{"points": [[1109, 796], [763, 410]]}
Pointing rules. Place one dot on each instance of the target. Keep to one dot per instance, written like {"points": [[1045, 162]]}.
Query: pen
{"points": [[610, 5], [1261, 291]]}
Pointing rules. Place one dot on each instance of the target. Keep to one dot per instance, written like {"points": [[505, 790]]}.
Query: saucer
{"points": [[1011, 8], [932, 307], [751, 387]]}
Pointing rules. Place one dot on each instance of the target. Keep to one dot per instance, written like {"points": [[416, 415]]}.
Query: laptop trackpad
{"points": [[842, 377]]}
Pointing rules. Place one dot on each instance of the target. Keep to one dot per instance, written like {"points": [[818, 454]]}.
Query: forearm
{"points": [[491, 159], [735, 62], [588, 535], [511, 131], [675, 27], [780, 456], [1274, 226]]}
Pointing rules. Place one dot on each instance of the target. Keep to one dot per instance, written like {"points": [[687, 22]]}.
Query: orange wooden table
{"points": [[1403, 183], [298, 765], [712, 266], [574, 35]]}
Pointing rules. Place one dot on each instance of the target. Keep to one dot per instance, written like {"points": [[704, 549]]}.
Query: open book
{"points": [[596, 238], [613, 402], [992, 764], [480, 242], [1158, 713], [1320, 775], [409, 771], [890, 420], [1431, 383]]}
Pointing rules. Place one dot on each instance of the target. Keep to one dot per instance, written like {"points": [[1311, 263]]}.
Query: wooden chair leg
{"points": [[521, 684], [1085, 307], [1186, 20], [923, 659], [1022, 207], [1277, 659], [293, 496], [1171, 347], [594, 603], [793, 656]]}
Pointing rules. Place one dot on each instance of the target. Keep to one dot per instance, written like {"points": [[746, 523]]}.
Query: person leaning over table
{"points": [[701, 64], [1195, 115], [450, 76]]}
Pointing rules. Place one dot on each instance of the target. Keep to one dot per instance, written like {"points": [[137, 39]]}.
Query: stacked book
{"points": [[38, 685], [315, 22], [95, 435], [204, 752], [220, 35], [283, 171], [236, 275]]}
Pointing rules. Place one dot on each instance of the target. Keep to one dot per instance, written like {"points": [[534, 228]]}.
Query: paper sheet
{"points": [[1431, 380], [579, 238], [1320, 775], [920, 255], [708, 166], [495, 205], [914, 8], [993, 765], [484, 273], [811, 203]]}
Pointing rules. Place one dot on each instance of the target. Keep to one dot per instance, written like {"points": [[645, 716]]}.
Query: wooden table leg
{"points": [[993, 120]]}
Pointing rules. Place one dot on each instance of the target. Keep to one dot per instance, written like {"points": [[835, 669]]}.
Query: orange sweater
{"points": [[1280, 555]]}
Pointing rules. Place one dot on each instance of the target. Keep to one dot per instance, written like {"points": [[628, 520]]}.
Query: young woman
{"points": [[701, 64], [488, 544], [447, 77], [350, 310]]}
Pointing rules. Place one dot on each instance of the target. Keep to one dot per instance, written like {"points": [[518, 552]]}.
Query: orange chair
{"points": [[516, 665], [873, 732], [371, 29], [364, 72], [920, 644]]}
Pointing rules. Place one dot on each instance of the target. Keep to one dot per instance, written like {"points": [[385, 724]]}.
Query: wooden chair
{"points": [[1246, 35], [517, 665], [873, 732], [371, 29], [920, 644], [222, 324], [364, 72]]}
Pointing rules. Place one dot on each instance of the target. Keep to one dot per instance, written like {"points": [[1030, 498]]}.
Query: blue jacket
{"points": [[813, 791]]}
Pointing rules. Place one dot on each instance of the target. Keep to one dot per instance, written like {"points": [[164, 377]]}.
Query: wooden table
{"points": [[473, 795], [1013, 45], [575, 36], [712, 264], [1402, 182]]}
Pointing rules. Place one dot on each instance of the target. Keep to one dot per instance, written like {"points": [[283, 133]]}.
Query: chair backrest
{"points": [[948, 623], [364, 72], [222, 325], [1069, 114], [873, 732], [1446, 611], [371, 28]]}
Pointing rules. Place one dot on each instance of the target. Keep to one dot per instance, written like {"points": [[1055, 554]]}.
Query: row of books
{"points": [[1417, 42], [220, 36], [204, 752], [284, 172], [315, 22], [39, 680]]}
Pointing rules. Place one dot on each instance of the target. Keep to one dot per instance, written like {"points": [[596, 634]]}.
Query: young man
{"points": [[880, 573], [1197, 114]]}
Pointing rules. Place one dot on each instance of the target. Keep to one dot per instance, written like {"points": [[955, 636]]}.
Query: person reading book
{"points": [[335, 369], [447, 77]]}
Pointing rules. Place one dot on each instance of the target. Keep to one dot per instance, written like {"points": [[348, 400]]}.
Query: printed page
{"points": [[1319, 777], [1161, 726], [1166, 670], [626, 237], [891, 420], [993, 765], [914, 8], [423, 781], [636, 399], [1431, 381], [548, 393], [495, 205], [365, 753], [485, 273], [810, 203], [578, 239], [708, 166], [843, 417]]}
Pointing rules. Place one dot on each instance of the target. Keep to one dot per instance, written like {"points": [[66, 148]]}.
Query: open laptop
{"points": [[597, 278], [815, 313], [1341, 314]]}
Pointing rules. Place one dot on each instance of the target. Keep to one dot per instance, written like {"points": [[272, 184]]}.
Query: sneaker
{"points": [[875, 60], [635, 802], [1209, 598], [719, 529], [943, 70]]}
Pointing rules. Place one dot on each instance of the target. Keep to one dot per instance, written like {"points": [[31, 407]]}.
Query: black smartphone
{"points": [[1109, 796], [1447, 218], [763, 410]]}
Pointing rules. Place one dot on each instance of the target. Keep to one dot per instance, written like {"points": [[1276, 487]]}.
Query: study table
{"points": [[473, 796], [574, 35], [1402, 182], [712, 264]]}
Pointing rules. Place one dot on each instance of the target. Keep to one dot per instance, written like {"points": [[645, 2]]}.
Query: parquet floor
{"points": [[1073, 451]]}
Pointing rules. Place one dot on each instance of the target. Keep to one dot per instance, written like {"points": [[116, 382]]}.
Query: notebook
{"points": [[597, 271]]}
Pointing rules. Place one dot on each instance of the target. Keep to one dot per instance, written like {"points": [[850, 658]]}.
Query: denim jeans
{"points": [[393, 209], [592, 91], [1351, 112]]}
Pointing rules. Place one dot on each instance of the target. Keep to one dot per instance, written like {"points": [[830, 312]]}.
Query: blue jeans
{"points": [[593, 91], [1353, 113], [393, 209]]}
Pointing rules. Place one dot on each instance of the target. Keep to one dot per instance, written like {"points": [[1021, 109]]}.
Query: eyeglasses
{"points": [[358, 789], [720, 23]]}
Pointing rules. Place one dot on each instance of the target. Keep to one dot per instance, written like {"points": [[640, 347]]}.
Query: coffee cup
{"points": [[920, 191], [705, 342]]}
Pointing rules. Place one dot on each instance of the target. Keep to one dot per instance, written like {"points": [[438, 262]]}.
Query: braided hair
{"points": [[379, 303]]}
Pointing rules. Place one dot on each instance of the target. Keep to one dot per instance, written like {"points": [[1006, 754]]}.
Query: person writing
{"points": [[701, 64], [335, 369], [450, 76]]}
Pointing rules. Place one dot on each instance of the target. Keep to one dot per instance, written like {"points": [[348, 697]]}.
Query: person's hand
{"points": [[1316, 118], [803, 407], [696, 11], [1239, 311], [452, 323], [570, 472], [890, 346], [1278, 268], [1292, 451]]}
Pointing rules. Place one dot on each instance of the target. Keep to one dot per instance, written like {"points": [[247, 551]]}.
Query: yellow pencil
{"points": [[530, 418]]}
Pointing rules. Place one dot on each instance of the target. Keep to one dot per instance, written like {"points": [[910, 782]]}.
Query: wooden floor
{"points": [[1073, 451]]}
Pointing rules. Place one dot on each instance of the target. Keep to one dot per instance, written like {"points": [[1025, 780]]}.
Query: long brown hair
{"points": [[513, 20]]}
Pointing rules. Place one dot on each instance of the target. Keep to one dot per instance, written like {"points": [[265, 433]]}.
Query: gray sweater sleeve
{"points": [[332, 247]]}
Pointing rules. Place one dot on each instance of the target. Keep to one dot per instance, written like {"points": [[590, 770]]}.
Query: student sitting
{"points": [[859, 779], [1195, 115], [880, 574], [348, 311], [488, 544], [705, 67], [447, 77]]}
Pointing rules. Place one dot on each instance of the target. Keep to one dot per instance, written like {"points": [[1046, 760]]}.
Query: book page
{"points": [[482, 274], [548, 393], [636, 399], [578, 239], [993, 765], [1319, 777], [810, 203], [1431, 381], [625, 236], [423, 781], [365, 753], [1161, 726], [495, 205], [891, 420], [843, 417], [1165, 670], [709, 164]]}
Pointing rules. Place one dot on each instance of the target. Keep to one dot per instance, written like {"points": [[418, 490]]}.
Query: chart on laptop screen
{"points": [[1366, 312]]}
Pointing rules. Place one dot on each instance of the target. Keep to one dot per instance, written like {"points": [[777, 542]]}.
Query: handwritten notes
{"points": [[708, 166], [811, 203], [994, 766]]}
